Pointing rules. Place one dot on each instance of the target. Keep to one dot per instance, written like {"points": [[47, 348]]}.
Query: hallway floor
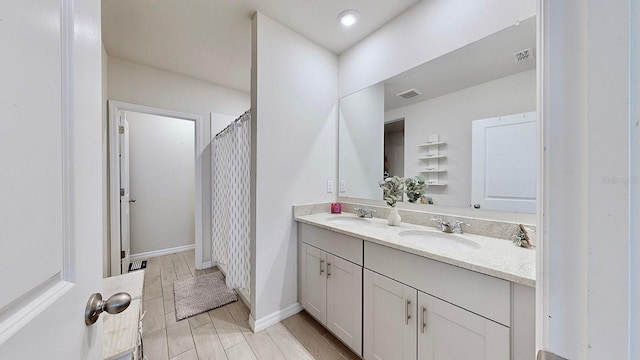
{"points": [[222, 333]]}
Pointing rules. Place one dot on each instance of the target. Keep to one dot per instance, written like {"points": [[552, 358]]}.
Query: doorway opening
{"points": [[394, 148], [155, 184]]}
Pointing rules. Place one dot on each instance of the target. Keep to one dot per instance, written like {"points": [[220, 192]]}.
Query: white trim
{"points": [[156, 253], [273, 318], [114, 170], [242, 294], [540, 203], [206, 265]]}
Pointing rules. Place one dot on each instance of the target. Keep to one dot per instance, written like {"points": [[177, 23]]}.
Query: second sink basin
{"points": [[436, 238], [344, 220]]}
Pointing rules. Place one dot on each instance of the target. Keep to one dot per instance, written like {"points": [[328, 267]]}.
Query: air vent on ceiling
{"points": [[523, 55], [411, 93]]}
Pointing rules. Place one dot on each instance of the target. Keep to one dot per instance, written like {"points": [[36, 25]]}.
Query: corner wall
{"points": [[144, 85], [585, 256], [294, 126], [424, 32]]}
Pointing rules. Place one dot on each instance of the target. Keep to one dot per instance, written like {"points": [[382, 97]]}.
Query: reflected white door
{"points": [[125, 194], [503, 162], [51, 187]]}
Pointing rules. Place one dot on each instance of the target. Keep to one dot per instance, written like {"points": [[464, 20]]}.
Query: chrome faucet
{"points": [[457, 226], [445, 226], [364, 213]]}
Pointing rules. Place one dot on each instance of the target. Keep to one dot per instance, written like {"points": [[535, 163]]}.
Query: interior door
{"points": [[125, 193], [503, 161], [51, 187]]}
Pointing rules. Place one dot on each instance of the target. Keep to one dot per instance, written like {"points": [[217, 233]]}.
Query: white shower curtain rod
{"points": [[242, 117]]}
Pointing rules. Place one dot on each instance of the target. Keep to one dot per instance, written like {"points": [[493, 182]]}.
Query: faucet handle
{"points": [[457, 226]]}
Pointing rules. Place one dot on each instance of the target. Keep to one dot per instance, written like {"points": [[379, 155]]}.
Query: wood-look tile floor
{"points": [[222, 333]]}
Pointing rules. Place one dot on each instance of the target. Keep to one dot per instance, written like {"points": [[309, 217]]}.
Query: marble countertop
{"points": [[494, 257]]}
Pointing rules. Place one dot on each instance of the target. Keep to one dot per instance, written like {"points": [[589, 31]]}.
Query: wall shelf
{"points": [[433, 171], [429, 157], [431, 160], [436, 184], [435, 143]]}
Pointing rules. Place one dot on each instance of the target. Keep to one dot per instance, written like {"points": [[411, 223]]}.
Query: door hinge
{"points": [[121, 129], [121, 254], [121, 192]]}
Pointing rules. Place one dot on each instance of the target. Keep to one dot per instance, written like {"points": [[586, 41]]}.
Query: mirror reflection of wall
{"points": [[451, 116], [361, 142], [394, 148], [480, 80]]}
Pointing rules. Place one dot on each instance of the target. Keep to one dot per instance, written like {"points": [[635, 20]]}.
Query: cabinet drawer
{"points": [[478, 293], [346, 247]]}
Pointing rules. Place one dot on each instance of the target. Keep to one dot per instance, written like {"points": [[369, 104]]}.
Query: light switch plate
{"points": [[343, 186], [329, 186]]}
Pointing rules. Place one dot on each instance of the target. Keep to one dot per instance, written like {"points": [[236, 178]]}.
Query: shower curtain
{"points": [[230, 180]]}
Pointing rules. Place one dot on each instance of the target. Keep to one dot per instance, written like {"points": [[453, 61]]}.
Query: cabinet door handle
{"points": [[321, 269], [328, 271], [423, 311], [407, 315]]}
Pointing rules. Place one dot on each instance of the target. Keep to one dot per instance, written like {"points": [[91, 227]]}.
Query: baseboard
{"points": [[273, 318], [242, 294], [156, 253], [207, 264]]}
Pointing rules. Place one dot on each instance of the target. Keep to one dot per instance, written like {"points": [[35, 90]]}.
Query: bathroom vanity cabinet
{"points": [[387, 303], [422, 295], [331, 283]]}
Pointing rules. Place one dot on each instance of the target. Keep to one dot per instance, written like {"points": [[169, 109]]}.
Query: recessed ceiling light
{"points": [[348, 17]]}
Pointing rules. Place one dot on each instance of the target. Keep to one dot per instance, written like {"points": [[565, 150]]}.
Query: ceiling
{"points": [[211, 39], [487, 59]]}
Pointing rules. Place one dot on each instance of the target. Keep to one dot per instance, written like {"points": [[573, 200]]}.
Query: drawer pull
{"points": [[328, 271], [423, 310], [321, 269], [407, 315]]}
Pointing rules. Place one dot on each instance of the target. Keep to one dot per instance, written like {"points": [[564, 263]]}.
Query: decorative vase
{"points": [[394, 217]]}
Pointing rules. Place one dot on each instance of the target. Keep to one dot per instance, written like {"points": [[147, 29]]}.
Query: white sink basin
{"points": [[422, 238], [343, 220]]}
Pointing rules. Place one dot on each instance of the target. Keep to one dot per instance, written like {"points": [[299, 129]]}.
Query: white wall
{"points": [[634, 239], [161, 163], [450, 116], [585, 254], [106, 249], [294, 127], [143, 85], [424, 32], [362, 142]]}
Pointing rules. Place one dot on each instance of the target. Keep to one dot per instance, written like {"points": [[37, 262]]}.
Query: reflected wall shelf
{"points": [[435, 143], [431, 158], [433, 171], [428, 157]]}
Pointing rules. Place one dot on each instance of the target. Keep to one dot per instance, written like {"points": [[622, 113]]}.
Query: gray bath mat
{"points": [[201, 293]]}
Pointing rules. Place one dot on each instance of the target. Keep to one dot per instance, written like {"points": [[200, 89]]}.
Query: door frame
{"points": [[114, 176]]}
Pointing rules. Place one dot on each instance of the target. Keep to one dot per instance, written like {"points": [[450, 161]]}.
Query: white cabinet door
{"points": [[314, 283], [389, 319], [447, 332], [344, 301]]}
